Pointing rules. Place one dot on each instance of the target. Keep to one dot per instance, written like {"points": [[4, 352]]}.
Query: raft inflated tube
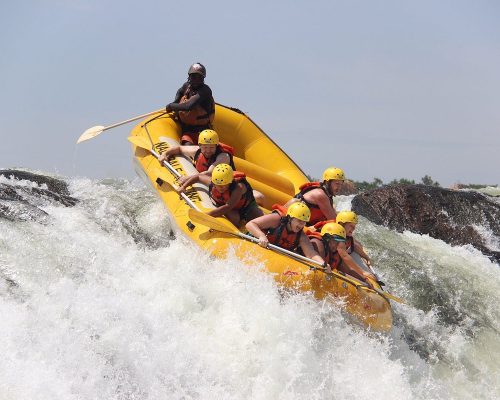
{"points": [[272, 196], [263, 175]]}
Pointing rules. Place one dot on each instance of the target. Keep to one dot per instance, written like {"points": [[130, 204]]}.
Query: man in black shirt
{"points": [[194, 105]]}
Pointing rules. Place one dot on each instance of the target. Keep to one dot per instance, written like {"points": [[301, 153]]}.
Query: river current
{"points": [[100, 301]]}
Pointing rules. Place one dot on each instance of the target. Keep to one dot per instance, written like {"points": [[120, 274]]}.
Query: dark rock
{"points": [[53, 184], [348, 188], [22, 202], [440, 213]]}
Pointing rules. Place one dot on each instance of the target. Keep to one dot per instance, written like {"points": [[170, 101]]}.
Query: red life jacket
{"points": [[333, 259], [202, 163], [197, 116], [320, 224], [316, 214], [279, 235], [220, 199]]}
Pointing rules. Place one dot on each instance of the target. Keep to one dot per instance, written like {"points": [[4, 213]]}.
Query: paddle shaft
{"points": [[143, 143], [133, 119], [213, 223], [319, 266], [176, 174]]}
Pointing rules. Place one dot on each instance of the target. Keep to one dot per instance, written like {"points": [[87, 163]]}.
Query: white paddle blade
{"points": [[90, 133]]}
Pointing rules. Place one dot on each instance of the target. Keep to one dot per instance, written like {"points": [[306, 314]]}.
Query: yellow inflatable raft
{"points": [[270, 171]]}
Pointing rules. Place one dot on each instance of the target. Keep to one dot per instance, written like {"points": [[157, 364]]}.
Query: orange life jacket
{"points": [[197, 115], [332, 259], [320, 224], [220, 199], [202, 163], [316, 214], [279, 235]]}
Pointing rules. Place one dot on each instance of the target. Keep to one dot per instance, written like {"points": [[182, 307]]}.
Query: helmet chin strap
{"points": [[327, 187]]}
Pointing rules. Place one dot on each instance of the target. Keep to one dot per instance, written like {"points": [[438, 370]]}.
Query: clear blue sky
{"points": [[380, 88]]}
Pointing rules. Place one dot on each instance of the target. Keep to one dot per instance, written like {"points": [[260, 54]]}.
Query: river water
{"points": [[99, 301]]}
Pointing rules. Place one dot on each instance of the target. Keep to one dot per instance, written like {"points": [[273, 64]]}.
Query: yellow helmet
{"points": [[334, 231], [347, 216], [333, 173], [300, 211], [208, 136], [222, 174]]}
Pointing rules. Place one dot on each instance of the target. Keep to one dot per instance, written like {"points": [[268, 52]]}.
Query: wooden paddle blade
{"points": [[211, 222], [140, 141], [90, 133]]}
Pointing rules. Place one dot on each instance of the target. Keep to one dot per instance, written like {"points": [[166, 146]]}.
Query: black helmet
{"points": [[197, 68]]}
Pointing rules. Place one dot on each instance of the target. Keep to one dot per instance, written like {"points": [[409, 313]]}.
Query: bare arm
{"points": [[324, 204], [308, 249], [351, 264], [188, 151], [195, 179], [222, 158], [291, 201], [169, 153], [237, 194], [186, 181], [358, 248], [256, 226]]}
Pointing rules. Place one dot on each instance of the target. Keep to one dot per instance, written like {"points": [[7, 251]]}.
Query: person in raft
{"points": [[349, 220], [231, 194], [208, 154], [194, 105], [318, 195], [330, 244], [284, 228]]}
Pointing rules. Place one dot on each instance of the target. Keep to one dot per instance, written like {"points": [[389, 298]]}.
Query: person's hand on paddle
{"points": [[163, 157], [369, 279], [327, 267], [263, 241], [182, 179]]}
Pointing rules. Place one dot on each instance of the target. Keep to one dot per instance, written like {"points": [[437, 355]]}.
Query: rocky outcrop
{"points": [[456, 217], [22, 194], [348, 188]]}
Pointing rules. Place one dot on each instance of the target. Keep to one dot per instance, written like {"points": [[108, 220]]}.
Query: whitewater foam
{"points": [[101, 302]]}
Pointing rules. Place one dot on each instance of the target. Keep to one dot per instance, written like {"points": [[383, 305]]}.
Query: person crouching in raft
{"points": [[330, 244], [231, 194], [349, 220], [318, 195], [209, 153], [284, 228]]}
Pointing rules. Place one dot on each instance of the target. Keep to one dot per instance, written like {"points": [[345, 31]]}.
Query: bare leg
{"points": [[234, 217], [253, 213]]}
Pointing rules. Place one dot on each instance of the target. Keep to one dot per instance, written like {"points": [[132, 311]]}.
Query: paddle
{"points": [[97, 130], [142, 142], [215, 224], [167, 178]]}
